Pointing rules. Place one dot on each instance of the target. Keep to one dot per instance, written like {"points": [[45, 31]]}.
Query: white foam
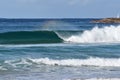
{"points": [[107, 34], [79, 62], [14, 63], [2, 68], [95, 62]]}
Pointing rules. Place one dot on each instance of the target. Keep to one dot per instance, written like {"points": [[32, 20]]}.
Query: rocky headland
{"points": [[107, 20]]}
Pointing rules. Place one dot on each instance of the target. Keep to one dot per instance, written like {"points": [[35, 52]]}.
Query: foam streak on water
{"points": [[95, 62], [79, 62]]}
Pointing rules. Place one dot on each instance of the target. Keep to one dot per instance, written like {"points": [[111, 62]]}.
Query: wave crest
{"points": [[107, 34]]}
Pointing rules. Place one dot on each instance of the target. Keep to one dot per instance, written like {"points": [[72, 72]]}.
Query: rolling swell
{"points": [[29, 37]]}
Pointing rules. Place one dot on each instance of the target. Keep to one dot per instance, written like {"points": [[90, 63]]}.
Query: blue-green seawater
{"points": [[59, 49]]}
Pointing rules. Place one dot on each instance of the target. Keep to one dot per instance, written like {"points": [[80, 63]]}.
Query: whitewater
{"points": [[107, 34]]}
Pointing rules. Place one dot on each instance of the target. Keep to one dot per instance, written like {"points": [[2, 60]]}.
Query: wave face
{"points": [[109, 34], [35, 37], [29, 37]]}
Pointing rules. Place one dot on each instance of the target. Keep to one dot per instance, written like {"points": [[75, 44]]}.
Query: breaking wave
{"points": [[27, 63], [107, 34], [102, 62]]}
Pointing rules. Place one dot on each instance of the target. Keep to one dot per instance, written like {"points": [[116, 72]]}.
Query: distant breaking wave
{"points": [[107, 34]]}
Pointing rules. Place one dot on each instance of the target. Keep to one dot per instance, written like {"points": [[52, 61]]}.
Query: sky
{"points": [[59, 8]]}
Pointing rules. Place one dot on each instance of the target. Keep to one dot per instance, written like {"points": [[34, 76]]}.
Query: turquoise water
{"points": [[58, 49]]}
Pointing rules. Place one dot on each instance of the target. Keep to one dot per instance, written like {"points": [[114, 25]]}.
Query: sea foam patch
{"points": [[80, 62]]}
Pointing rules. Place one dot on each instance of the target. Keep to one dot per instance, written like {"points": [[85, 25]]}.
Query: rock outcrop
{"points": [[108, 20]]}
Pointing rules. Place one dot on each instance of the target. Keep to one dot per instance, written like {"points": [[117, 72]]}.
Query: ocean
{"points": [[59, 49]]}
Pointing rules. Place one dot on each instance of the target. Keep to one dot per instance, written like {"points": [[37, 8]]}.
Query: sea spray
{"points": [[109, 34]]}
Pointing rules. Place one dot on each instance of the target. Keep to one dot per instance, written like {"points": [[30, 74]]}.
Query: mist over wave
{"points": [[109, 34]]}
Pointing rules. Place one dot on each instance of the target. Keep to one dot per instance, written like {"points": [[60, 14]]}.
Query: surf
{"points": [[30, 62], [99, 62], [106, 34]]}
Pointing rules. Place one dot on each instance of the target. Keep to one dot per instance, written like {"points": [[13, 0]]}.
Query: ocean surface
{"points": [[59, 49]]}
